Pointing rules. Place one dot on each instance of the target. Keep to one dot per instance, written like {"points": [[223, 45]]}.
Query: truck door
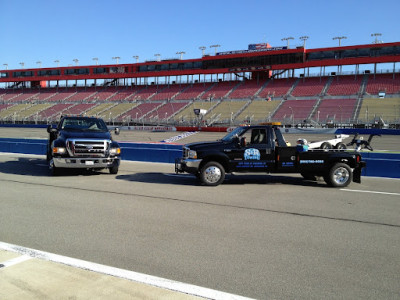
{"points": [[255, 153]]}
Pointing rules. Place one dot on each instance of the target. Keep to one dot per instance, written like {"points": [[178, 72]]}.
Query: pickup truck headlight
{"points": [[192, 154], [115, 151], [59, 150]]}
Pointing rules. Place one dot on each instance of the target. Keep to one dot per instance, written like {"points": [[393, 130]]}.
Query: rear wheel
{"points": [[340, 146], [212, 174], [340, 175]]}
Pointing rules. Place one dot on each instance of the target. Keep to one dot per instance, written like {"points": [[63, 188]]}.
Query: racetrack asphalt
{"points": [[257, 236]]}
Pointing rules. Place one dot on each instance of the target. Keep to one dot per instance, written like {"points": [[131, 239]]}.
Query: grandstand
{"points": [[247, 87]]}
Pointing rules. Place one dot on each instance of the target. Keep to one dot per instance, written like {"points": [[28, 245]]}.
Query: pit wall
{"points": [[378, 164]]}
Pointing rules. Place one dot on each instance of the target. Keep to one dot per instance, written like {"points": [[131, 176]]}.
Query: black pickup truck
{"points": [[82, 143], [263, 149]]}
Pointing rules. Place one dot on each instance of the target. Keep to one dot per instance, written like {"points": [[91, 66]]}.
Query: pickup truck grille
{"points": [[88, 147]]}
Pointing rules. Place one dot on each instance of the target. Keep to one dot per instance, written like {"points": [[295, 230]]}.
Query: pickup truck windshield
{"points": [[83, 125], [235, 133]]}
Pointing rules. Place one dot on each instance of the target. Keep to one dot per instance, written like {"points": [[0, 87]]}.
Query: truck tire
{"points": [[113, 170], [339, 175], [212, 174], [54, 171], [340, 146]]}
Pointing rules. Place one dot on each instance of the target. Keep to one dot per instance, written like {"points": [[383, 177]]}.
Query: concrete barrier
{"points": [[378, 164]]}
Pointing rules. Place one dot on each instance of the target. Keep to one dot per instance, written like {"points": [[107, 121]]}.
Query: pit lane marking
{"points": [[371, 192]]}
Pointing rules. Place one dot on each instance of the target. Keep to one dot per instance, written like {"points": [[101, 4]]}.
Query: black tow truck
{"points": [[82, 143], [262, 148]]}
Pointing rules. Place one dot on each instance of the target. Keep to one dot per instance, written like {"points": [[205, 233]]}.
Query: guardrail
{"points": [[378, 164]]}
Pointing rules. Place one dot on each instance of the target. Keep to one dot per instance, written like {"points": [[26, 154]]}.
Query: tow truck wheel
{"points": [[340, 175], [212, 174], [113, 170]]}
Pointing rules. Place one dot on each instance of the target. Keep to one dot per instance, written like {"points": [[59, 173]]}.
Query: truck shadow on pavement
{"points": [[25, 166], [37, 167], [230, 179]]}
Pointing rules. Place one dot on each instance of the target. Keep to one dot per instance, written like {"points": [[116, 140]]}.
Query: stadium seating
{"points": [[193, 91], [388, 109], [219, 90], [277, 88], [79, 109], [242, 101], [187, 114], [13, 112], [32, 113], [168, 92], [147, 91], [167, 110], [139, 112], [307, 87], [117, 110], [337, 110], [294, 110], [82, 94], [54, 111], [226, 110], [258, 110], [246, 90], [383, 83], [345, 85]]}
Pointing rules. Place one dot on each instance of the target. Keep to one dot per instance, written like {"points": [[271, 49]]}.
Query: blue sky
{"points": [[44, 30]]}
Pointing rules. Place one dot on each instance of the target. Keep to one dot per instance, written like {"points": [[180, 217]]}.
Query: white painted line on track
{"points": [[14, 261], [371, 192], [121, 273]]}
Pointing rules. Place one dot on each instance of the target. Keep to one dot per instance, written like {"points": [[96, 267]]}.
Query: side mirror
{"points": [[116, 130], [50, 129]]}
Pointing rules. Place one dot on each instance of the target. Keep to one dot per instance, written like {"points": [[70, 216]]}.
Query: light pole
{"points": [[39, 63], [6, 65], [287, 39], [215, 48], [22, 64], [292, 115], [76, 61], [339, 38], [96, 60], [304, 38], [181, 54], [117, 58], [136, 57], [376, 37], [57, 62], [202, 48], [158, 55]]}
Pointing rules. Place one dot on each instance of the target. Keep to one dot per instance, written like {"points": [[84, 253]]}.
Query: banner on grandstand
{"points": [[250, 51], [249, 69], [259, 46]]}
